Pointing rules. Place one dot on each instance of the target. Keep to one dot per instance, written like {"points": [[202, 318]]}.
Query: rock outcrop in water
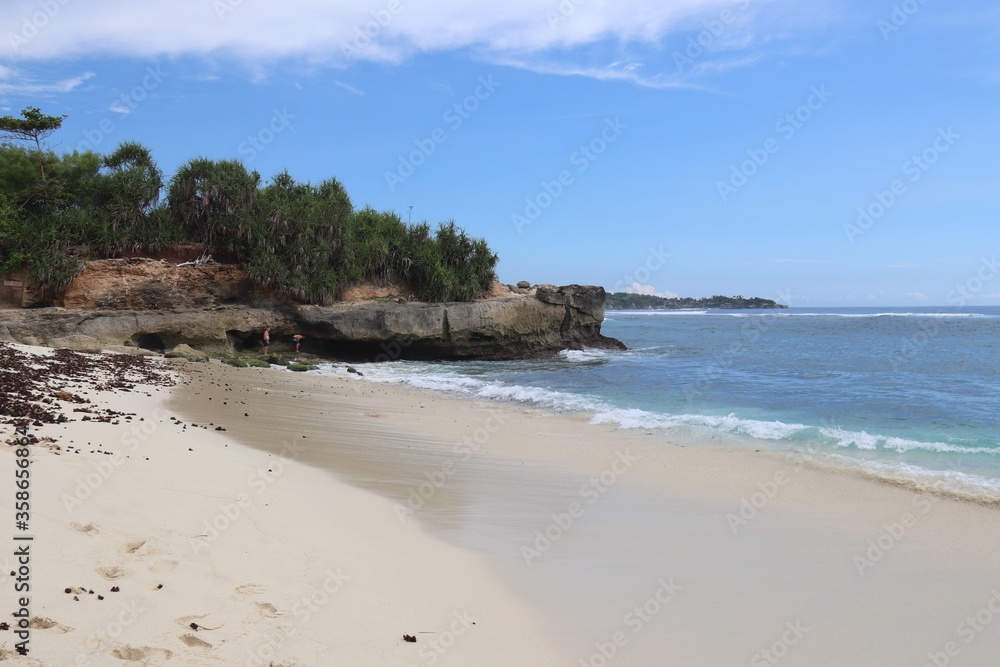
{"points": [[158, 305]]}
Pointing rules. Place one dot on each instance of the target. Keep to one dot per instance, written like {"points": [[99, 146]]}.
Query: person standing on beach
{"points": [[298, 339], [267, 339]]}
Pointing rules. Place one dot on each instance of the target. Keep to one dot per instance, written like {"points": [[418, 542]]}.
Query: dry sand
{"points": [[363, 511]]}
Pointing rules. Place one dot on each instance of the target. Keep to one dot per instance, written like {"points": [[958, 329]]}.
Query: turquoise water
{"points": [[908, 394]]}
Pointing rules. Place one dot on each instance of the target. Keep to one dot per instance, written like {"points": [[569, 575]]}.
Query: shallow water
{"points": [[908, 394]]}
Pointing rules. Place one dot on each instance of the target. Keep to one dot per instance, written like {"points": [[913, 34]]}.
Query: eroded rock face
{"points": [[148, 284], [157, 305]]}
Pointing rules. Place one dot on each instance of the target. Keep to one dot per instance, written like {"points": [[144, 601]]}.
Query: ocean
{"points": [[910, 395]]}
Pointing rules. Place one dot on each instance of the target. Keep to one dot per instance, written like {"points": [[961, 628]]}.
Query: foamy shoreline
{"points": [[769, 438]]}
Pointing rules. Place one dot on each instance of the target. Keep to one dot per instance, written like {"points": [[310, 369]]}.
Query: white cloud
{"points": [[30, 87], [917, 295], [638, 288], [604, 40], [799, 261], [349, 88]]}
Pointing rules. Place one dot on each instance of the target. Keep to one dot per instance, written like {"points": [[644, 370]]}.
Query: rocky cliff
{"points": [[158, 305]]}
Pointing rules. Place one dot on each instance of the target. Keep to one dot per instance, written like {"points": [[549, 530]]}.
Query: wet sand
{"points": [[638, 551]]}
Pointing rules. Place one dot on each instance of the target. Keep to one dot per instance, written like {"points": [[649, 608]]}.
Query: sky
{"points": [[830, 153]]}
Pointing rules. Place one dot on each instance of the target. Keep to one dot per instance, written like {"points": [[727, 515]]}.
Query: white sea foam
{"points": [[678, 311], [584, 356], [836, 444], [864, 440], [953, 482]]}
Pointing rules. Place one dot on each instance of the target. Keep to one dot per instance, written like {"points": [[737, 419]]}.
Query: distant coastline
{"points": [[628, 301]]}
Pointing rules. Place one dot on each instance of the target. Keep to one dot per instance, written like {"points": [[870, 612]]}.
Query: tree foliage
{"points": [[301, 240]]}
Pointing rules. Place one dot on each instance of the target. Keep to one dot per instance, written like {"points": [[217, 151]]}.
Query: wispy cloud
{"points": [[917, 295], [546, 36], [14, 85], [799, 261], [349, 88]]}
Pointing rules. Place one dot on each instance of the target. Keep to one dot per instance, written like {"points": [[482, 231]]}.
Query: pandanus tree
{"points": [[130, 188], [213, 201]]}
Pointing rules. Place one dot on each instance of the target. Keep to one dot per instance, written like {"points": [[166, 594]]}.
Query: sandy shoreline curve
{"points": [[406, 511], [225, 554]]}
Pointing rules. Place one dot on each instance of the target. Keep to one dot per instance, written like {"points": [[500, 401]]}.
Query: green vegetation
{"points": [[301, 367], [628, 301], [304, 241]]}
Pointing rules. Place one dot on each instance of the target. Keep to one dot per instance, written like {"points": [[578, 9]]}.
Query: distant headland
{"points": [[628, 301]]}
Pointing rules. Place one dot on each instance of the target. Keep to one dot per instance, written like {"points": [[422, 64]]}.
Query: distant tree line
{"points": [[628, 301], [305, 241]]}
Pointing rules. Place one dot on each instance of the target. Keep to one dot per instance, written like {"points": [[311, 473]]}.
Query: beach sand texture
{"points": [[334, 515]]}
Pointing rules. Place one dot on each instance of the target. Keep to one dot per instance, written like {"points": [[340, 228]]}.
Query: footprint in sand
{"points": [[196, 642], [43, 623], [137, 547], [268, 609], [163, 566], [113, 572], [88, 529], [143, 654], [186, 620], [246, 590]]}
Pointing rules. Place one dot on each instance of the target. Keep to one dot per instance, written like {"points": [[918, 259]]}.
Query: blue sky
{"points": [[836, 154]]}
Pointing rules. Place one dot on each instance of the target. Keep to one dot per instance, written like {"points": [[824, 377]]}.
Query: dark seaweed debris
{"points": [[33, 388]]}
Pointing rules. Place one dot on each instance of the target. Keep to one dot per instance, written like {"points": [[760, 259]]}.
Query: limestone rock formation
{"points": [[160, 306]]}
